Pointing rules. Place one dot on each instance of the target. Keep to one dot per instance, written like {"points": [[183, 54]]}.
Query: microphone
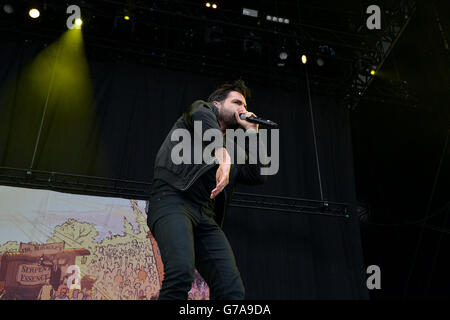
{"points": [[264, 122]]}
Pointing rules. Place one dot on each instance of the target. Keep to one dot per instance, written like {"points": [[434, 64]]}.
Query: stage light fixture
{"points": [[214, 6], [283, 55], [320, 62], [126, 17], [8, 8], [208, 5], [34, 13], [304, 59], [277, 19], [371, 69], [250, 12], [78, 22]]}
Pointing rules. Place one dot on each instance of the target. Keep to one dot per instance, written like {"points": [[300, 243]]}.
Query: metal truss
{"points": [[397, 21], [181, 19], [137, 190]]}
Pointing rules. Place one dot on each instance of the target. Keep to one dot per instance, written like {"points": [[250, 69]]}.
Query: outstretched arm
{"points": [[223, 172]]}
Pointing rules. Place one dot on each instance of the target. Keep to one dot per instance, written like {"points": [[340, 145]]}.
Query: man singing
{"points": [[189, 200]]}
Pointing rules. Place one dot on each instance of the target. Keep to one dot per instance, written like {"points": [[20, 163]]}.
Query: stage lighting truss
{"points": [[290, 205], [136, 190], [373, 59], [154, 26]]}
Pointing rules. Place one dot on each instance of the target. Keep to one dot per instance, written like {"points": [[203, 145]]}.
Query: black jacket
{"points": [[182, 176]]}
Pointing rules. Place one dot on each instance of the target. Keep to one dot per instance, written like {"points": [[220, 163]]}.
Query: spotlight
{"points": [[124, 24], [277, 19], [208, 4], [372, 69], [78, 22], [214, 6], [34, 13], [320, 62], [8, 8], [304, 59], [283, 55]]}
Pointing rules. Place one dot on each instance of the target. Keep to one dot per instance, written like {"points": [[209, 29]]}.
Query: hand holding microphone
{"points": [[241, 119], [247, 118]]}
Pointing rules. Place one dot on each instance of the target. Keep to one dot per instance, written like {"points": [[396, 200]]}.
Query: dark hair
{"points": [[222, 91]]}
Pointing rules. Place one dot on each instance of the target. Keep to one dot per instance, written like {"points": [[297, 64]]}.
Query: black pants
{"points": [[188, 237]]}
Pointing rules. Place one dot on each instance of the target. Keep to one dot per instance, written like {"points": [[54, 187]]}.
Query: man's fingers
{"points": [[215, 192], [221, 182], [218, 189]]}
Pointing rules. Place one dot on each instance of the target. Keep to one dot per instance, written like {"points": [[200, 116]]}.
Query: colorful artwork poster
{"points": [[60, 246]]}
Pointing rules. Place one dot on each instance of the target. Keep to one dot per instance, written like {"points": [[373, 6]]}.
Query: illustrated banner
{"points": [[59, 246], [39, 249], [32, 274]]}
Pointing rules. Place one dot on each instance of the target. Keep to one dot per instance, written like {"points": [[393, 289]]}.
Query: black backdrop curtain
{"points": [[280, 255]]}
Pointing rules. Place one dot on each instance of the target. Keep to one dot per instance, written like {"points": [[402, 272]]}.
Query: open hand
{"points": [[222, 179]]}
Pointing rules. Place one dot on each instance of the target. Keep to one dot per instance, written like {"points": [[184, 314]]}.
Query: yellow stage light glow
{"points": [[57, 80], [126, 18], [372, 72], [304, 59], [34, 13], [78, 22]]}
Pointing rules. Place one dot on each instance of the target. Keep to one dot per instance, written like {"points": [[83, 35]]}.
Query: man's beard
{"points": [[228, 119]]}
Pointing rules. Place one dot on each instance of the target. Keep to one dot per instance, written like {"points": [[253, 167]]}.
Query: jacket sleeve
{"points": [[207, 117], [250, 174], [199, 111]]}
